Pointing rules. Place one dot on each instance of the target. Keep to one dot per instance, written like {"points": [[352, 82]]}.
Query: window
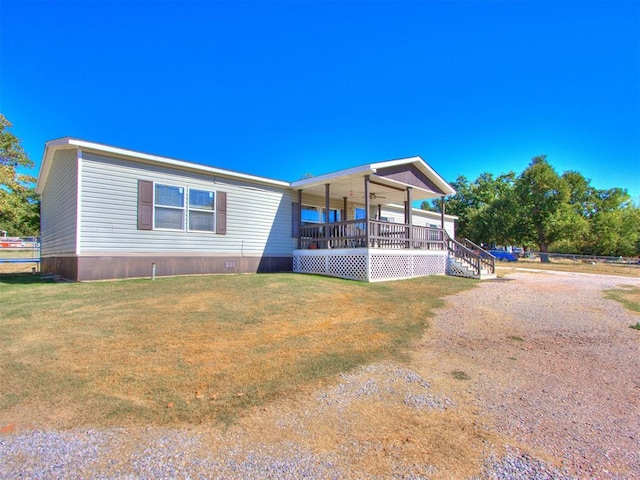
{"points": [[360, 213], [311, 214], [201, 210], [169, 207], [334, 215]]}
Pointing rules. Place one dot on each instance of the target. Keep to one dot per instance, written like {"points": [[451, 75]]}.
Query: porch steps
{"points": [[457, 267]]}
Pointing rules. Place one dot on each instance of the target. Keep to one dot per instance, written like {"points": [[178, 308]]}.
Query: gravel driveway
{"points": [[553, 364], [547, 367]]}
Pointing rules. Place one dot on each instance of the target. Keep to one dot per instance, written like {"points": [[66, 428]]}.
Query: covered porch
{"points": [[360, 223]]}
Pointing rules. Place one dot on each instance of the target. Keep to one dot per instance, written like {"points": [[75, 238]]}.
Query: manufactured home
{"points": [[109, 213]]}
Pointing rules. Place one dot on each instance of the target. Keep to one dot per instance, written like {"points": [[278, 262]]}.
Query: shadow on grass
{"points": [[26, 278]]}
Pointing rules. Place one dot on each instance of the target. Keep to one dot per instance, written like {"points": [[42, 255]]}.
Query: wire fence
{"points": [[19, 250], [592, 259]]}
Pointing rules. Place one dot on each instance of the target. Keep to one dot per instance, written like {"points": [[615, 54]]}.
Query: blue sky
{"points": [[281, 89]]}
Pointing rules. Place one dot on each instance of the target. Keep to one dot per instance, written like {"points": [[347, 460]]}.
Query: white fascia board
{"points": [[393, 163], [78, 200], [43, 172], [175, 163], [437, 179], [47, 157], [67, 142], [321, 179]]}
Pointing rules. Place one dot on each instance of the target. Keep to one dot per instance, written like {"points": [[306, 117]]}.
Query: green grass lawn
{"points": [[188, 350]]}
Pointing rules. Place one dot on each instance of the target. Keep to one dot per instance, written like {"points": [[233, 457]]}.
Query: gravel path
{"points": [[554, 364], [549, 365]]}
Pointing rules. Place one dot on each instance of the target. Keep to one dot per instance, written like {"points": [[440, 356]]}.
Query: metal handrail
{"points": [[476, 261], [473, 246]]}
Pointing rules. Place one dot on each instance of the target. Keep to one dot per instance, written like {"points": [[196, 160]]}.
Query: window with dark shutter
{"points": [[221, 212], [145, 205]]}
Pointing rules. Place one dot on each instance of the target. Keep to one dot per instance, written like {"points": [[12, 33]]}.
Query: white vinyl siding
{"points": [[422, 218], [58, 215], [258, 215]]}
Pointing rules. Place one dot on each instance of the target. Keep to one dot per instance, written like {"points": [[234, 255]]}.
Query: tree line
{"points": [[19, 204], [540, 209]]}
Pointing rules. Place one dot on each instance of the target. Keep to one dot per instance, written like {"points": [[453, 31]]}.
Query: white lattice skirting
{"points": [[370, 265], [454, 269]]}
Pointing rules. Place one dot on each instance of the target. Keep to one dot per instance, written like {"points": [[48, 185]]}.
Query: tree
{"points": [[495, 217], [558, 213], [485, 208], [547, 214], [19, 205], [614, 232], [581, 194], [457, 205], [613, 221]]}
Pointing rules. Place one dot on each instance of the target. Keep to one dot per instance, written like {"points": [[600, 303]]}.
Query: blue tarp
{"points": [[504, 255]]}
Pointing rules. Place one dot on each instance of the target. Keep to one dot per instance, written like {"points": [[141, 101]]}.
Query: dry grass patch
{"points": [[191, 350]]}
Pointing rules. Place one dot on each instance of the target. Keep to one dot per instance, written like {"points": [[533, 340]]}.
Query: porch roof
{"points": [[389, 180]]}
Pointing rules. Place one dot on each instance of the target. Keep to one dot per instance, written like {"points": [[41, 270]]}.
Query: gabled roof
{"points": [[392, 176], [397, 175], [68, 142]]}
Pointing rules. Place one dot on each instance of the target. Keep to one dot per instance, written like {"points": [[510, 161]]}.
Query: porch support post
{"points": [[344, 209], [409, 218], [299, 219], [327, 205], [367, 233], [442, 212], [409, 207], [379, 211]]}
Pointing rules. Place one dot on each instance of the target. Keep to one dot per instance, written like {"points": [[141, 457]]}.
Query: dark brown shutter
{"points": [[221, 212], [145, 205], [295, 219]]}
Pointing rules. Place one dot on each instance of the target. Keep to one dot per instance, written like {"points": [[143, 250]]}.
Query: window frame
{"points": [[314, 208], [170, 207], [213, 212], [322, 215], [148, 206]]}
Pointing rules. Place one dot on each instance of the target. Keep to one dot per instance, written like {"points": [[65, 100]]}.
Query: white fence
{"points": [[19, 250]]}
